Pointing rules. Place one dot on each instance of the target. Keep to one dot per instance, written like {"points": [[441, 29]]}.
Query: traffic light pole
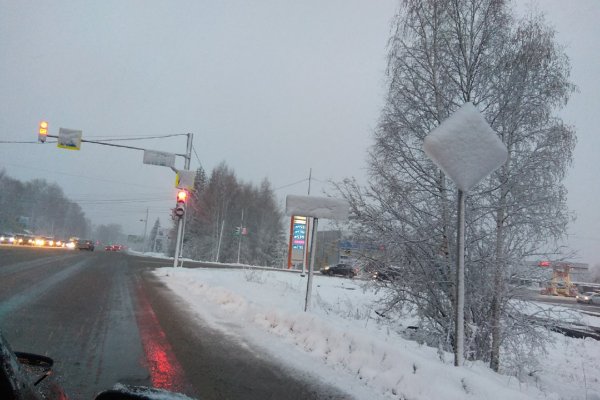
{"points": [[43, 132], [181, 221]]}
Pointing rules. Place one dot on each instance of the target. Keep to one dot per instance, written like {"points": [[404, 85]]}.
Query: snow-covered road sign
{"points": [[465, 147], [160, 158], [317, 207], [69, 139]]}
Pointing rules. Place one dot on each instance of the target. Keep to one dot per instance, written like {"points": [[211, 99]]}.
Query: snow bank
{"points": [[343, 339]]}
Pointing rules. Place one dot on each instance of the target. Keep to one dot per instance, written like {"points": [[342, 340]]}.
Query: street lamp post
{"points": [[145, 229]]}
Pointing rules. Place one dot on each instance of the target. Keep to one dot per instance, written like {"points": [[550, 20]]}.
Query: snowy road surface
{"points": [[105, 319]]}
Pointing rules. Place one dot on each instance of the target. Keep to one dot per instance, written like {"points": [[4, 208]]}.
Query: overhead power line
{"points": [[23, 142], [291, 184], [196, 154], [51, 171]]}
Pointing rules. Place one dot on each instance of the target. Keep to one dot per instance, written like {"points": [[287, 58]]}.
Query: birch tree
{"points": [[444, 53]]}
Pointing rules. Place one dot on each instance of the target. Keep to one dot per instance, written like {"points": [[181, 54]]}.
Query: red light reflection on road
{"points": [[165, 370]]}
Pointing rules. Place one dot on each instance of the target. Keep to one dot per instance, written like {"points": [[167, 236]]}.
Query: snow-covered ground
{"points": [[343, 342]]}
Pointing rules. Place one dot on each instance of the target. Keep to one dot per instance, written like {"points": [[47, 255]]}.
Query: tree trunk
{"points": [[498, 281]]}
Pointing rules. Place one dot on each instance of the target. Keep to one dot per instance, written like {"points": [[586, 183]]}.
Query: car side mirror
{"points": [[35, 364]]}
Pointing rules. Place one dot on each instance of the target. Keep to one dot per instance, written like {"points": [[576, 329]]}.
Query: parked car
{"points": [[388, 274], [588, 297], [340, 269], [83, 244]]}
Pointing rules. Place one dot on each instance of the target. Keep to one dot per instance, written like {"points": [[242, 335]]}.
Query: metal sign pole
{"points": [[313, 250], [460, 283], [177, 243], [240, 237], [180, 224]]}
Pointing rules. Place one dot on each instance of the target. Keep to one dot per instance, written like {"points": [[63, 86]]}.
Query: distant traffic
{"points": [[72, 243]]}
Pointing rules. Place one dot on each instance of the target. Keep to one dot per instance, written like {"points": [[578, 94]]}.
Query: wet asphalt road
{"points": [[104, 319]]}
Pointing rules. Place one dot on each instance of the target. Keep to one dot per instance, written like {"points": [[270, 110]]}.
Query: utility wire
{"points": [[23, 142], [291, 184], [196, 154], [81, 176]]}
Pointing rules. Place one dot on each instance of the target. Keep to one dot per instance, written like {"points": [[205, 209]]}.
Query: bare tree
{"points": [[444, 53], [215, 212], [39, 207]]}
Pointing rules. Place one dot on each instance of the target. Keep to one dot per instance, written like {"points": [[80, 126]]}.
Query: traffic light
{"points": [[180, 207], [43, 131], [237, 231]]}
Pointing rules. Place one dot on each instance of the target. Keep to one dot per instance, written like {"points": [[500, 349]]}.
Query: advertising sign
{"points": [[299, 233], [298, 236]]}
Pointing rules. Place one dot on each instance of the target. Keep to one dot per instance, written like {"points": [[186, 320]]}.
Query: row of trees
{"points": [[39, 207], [219, 205], [444, 53]]}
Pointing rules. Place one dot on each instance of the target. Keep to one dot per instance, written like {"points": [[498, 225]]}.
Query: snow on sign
{"points": [[317, 207], [159, 158], [465, 147], [69, 139], [185, 179]]}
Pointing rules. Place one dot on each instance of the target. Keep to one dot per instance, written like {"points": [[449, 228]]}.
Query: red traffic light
{"points": [[181, 196]]}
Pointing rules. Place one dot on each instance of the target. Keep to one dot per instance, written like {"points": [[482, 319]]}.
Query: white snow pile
{"points": [[342, 341], [465, 147]]}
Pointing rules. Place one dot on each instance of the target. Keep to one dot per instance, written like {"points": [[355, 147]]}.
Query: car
{"points": [[49, 241], [7, 238], [588, 297], [340, 269], [83, 244], [387, 274], [24, 239]]}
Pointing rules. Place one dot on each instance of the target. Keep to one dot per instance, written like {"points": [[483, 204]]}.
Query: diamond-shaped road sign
{"points": [[465, 147]]}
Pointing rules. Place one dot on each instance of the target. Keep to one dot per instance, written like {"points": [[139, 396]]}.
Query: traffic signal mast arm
{"points": [[107, 144]]}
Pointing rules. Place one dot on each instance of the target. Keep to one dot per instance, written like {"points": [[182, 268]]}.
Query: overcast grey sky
{"points": [[271, 87]]}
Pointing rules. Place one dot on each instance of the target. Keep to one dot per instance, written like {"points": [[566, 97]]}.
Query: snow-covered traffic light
{"points": [[43, 131], [180, 207]]}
